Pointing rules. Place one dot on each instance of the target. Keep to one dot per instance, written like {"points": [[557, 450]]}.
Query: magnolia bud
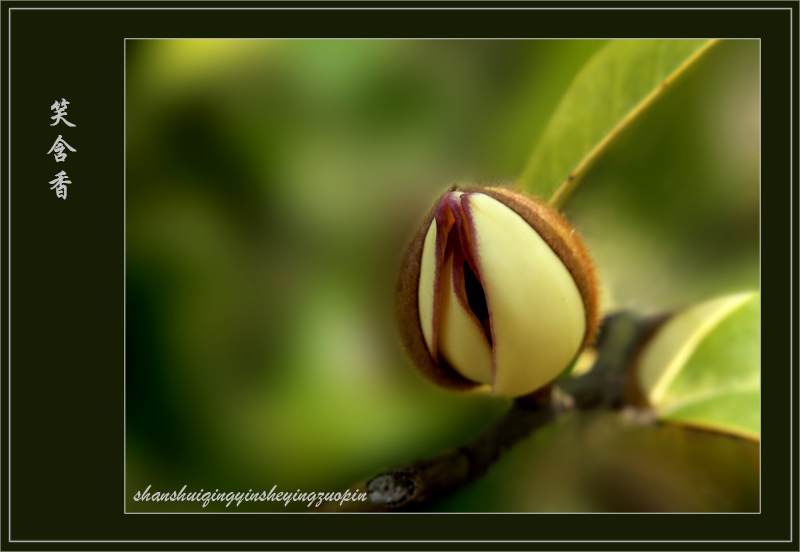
{"points": [[496, 288]]}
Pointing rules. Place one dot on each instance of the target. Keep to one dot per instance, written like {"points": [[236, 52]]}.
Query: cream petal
{"points": [[536, 312], [427, 278], [462, 340]]}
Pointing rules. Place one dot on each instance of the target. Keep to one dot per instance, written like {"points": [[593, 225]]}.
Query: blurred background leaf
{"points": [[271, 188], [605, 462]]}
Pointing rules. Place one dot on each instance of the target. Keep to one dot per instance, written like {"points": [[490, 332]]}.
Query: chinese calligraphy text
{"points": [[58, 148], [59, 184], [61, 112]]}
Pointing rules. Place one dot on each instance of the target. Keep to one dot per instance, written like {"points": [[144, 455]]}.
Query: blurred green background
{"points": [[271, 189]]}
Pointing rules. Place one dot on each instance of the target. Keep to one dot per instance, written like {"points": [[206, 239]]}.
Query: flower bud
{"points": [[496, 288]]}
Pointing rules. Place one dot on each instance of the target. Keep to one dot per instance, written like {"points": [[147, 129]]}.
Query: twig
{"points": [[407, 487]]}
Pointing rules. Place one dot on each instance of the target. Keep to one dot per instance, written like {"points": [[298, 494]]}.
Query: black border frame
{"points": [[78, 48]]}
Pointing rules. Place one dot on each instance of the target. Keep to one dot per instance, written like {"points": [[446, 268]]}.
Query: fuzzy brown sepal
{"points": [[438, 371]]}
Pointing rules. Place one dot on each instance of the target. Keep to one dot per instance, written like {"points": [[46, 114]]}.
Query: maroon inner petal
{"points": [[466, 282], [444, 222]]}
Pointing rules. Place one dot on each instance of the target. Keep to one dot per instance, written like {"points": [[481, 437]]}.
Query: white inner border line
{"points": [[125, 278], [400, 8], [125, 510], [792, 406], [791, 22]]}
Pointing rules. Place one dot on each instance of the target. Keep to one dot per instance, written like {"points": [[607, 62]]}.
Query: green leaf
{"points": [[670, 212], [702, 367], [617, 84]]}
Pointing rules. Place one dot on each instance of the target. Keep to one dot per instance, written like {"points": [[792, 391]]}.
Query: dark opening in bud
{"points": [[477, 300]]}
